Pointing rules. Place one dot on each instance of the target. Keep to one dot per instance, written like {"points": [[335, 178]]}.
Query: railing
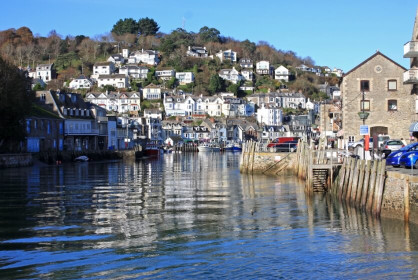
{"points": [[93, 131], [410, 49], [410, 77]]}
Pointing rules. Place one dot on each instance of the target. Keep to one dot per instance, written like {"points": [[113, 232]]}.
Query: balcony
{"points": [[410, 77], [410, 49], [92, 131]]}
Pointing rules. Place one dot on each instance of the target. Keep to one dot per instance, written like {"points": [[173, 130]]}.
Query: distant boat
{"points": [[209, 147], [152, 149], [233, 147], [81, 159]]}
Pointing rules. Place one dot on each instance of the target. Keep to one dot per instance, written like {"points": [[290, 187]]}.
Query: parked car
{"points": [[390, 146], [409, 159], [381, 138], [280, 140], [395, 157], [360, 143], [288, 147]]}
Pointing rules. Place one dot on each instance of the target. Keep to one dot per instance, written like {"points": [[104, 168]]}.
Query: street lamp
{"points": [[363, 116]]}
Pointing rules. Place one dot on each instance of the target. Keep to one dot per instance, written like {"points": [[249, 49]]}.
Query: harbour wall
{"points": [[15, 160], [400, 192]]}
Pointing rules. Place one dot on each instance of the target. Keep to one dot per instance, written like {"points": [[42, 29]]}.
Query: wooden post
{"points": [[346, 179], [354, 184], [372, 183], [366, 181], [379, 188], [360, 182], [406, 201], [342, 177], [350, 182]]}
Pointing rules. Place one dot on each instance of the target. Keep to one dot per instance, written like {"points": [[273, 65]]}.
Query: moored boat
{"points": [[209, 147]]}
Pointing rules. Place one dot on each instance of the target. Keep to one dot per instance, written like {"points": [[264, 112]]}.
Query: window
{"points": [[392, 85], [350, 138], [392, 105], [364, 85], [365, 105]]}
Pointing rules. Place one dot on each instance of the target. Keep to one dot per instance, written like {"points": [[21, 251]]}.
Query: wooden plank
{"points": [[372, 183], [364, 192], [350, 182], [407, 209], [341, 183], [354, 184], [379, 188], [347, 180], [360, 182]]}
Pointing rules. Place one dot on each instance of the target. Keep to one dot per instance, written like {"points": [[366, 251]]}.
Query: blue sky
{"points": [[334, 33]]}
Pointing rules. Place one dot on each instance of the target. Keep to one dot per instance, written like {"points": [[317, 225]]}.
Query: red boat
{"points": [[152, 150]]}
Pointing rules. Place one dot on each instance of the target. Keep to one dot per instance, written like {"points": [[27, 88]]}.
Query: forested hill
{"points": [[22, 48]]}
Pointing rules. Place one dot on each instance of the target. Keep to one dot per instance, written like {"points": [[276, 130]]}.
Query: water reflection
{"points": [[187, 216]]}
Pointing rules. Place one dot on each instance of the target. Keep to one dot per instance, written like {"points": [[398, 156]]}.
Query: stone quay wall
{"points": [[400, 196], [15, 160]]}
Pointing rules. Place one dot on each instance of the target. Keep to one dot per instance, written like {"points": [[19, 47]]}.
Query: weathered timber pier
{"points": [[362, 184]]}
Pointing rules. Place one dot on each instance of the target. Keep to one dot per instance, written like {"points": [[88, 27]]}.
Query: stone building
{"points": [[386, 98], [411, 76]]}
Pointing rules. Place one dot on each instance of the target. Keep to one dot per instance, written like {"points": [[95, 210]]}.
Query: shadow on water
{"points": [[187, 216]]}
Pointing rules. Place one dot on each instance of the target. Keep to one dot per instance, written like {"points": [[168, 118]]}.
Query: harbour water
{"points": [[188, 216]]}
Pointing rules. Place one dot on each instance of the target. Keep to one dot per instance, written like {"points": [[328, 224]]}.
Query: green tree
{"points": [[147, 26], [207, 34], [171, 83], [248, 48], [127, 25], [108, 88], [216, 84], [15, 103]]}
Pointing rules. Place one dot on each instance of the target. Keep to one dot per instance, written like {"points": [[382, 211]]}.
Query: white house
{"points": [[133, 71], [197, 52], [165, 74], [185, 77], [227, 55], [116, 80], [153, 113], [269, 114], [103, 68], [151, 92], [116, 59], [149, 57], [45, 72], [231, 75], [263, 68], [293, 100], [281, 73], [81, 82], [246, 63], [210, 105], [179, 106], [120, 102], [247, 74]]}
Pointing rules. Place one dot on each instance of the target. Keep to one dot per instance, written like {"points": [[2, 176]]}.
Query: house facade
{"points": [[149, 57], [115, 80], [103, 68], [227, 55], [185, 77], [231, 75], [81, 82], [45, 72], [246, 63], [269, 114], [165, 74], [263, 68], [151, 92], [281, 73], [133, 71], [387, 100], [120, 102], [194, 51]]}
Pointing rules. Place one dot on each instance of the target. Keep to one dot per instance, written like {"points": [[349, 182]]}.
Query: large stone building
{"points": [[411, 76], [387, 99]]}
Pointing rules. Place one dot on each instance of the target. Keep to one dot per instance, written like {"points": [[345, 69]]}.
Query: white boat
{"points": [[209, 147]]}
